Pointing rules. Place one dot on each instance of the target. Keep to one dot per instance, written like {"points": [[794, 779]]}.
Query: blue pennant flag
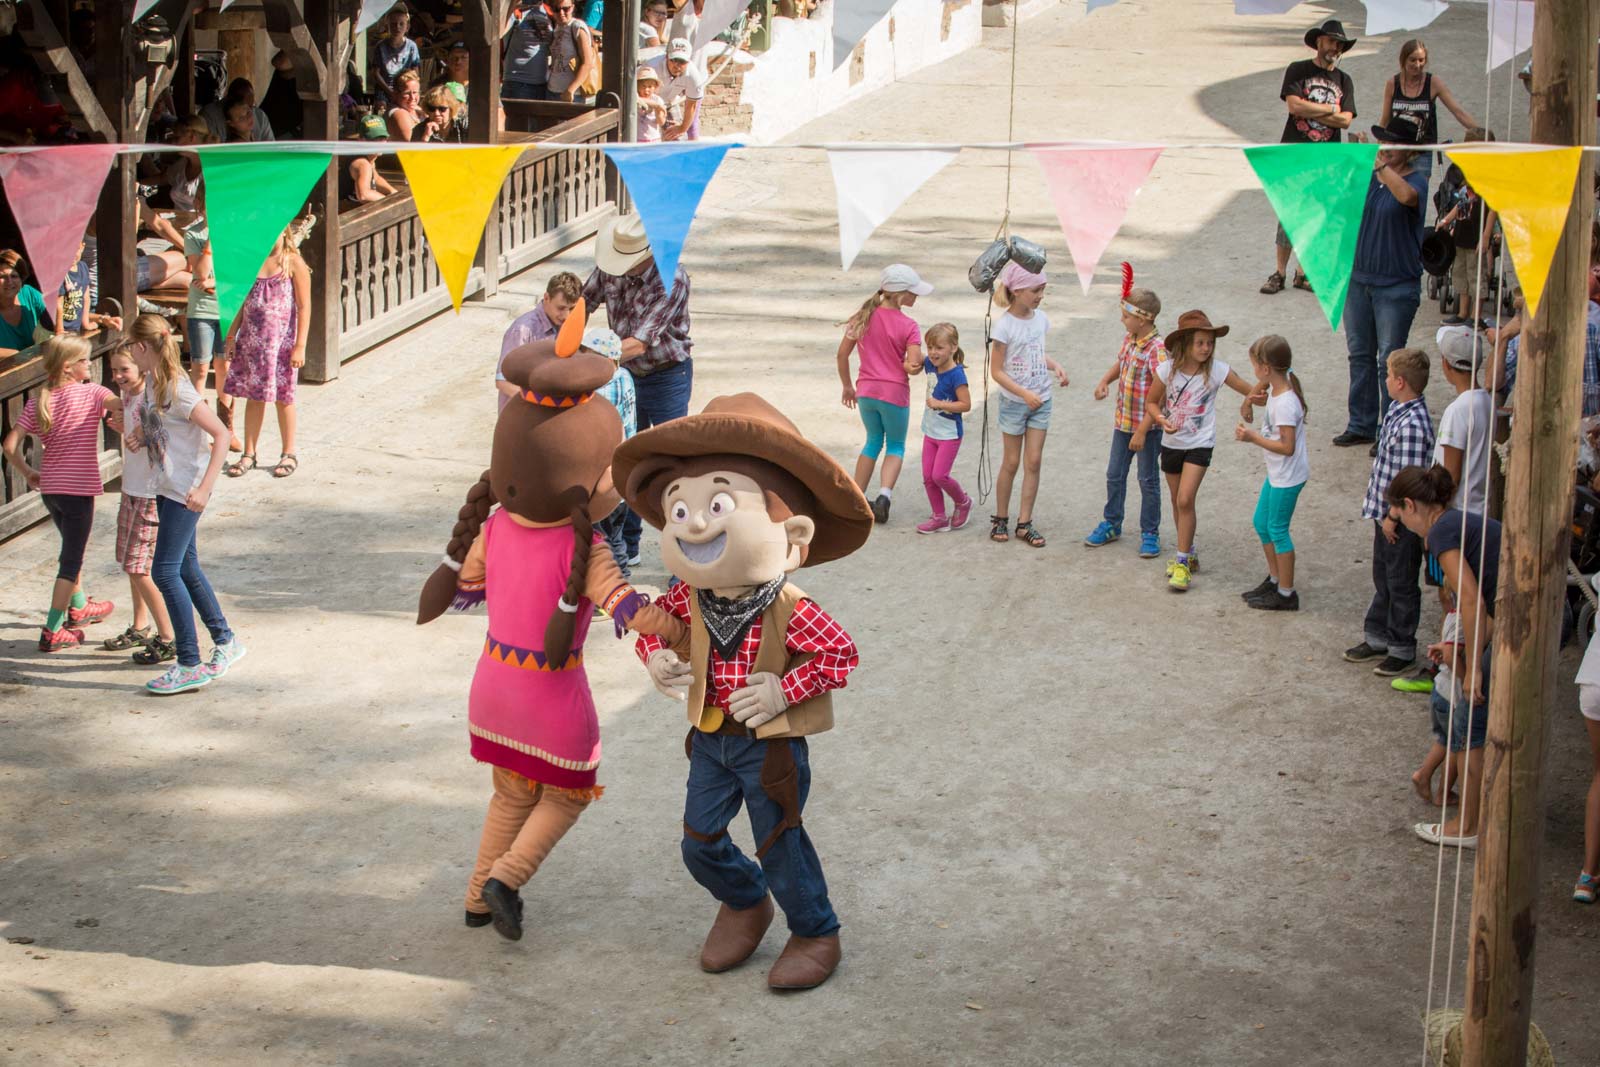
{"points": [[1095, 5], [666, 182]]}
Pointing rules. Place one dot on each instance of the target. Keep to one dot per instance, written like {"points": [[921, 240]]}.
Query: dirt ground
{"points": [[1067, 816]]}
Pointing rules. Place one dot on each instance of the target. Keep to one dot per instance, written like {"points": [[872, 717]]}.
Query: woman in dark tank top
{"points": [[1416, 92]]}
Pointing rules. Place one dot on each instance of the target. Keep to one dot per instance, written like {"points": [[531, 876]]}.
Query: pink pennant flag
{"points": [[53, 193], [1092, 188]]}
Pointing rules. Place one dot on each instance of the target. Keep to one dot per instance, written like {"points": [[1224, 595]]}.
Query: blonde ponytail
{"points": [[58, 353], [154, 333], [858, 323]]}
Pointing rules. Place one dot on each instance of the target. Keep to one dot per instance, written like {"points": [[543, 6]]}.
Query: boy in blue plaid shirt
{"points": [[619, 390], [1406, 440]]}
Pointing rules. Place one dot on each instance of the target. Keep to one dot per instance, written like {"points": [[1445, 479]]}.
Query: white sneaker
{"points": [[1432, 833], [222, 657], [634, 560], [179, 679]]}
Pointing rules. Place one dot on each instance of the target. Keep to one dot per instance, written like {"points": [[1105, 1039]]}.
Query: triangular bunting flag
{"points": [[872, 185], [142, 8], [251, 196], [1092, 189], [372, 11], [666, 183], [1510, 30], [852, 19], [715, 17], [454, 191], [1531, 191], [1263, 7], [1319, 192], [53, 193], [1096, 5], [1386, 16]]}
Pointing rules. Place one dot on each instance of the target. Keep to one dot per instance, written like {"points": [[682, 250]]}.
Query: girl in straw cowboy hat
{"points": [[532, 563], [1183, 402]]}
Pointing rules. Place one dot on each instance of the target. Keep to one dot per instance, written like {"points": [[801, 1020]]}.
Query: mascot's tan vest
{"points": [[807, 717]]}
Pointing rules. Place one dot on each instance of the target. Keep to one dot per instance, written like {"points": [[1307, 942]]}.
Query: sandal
{"points": [[1586, 889], [157, 650], [241, 466], [998, 531], [1026, 532], [287, 464], [1301, 281], [132, 637], [1274, 284]]}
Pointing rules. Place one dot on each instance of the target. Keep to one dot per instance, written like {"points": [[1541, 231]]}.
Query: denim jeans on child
{"points": [[176, 571], [1391, 623], [725, 771], [661, 397], [1377, 320], [1149, 480], [610, 528]]}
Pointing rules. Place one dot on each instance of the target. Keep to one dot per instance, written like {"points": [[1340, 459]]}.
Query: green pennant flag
{"points": [[251, 196], [1319, 192]]}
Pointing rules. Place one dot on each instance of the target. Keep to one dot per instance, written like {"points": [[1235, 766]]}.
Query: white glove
{"points": [[669, 673], [759, 702]]}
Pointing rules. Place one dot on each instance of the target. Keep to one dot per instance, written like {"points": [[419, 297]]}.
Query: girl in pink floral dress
{"points": [[266, 347]]}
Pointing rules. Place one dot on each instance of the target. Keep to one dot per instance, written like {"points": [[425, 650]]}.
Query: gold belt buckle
{"points": [[710, 720]]}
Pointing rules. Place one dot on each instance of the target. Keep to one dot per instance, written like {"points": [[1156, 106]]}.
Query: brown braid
{"points": [[562, 627]]}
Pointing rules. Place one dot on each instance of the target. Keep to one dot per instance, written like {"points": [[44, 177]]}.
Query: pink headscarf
{"points": [[1015, 277]]}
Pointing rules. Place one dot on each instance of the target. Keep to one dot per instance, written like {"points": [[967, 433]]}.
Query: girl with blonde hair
{"points": [[65, 416]]}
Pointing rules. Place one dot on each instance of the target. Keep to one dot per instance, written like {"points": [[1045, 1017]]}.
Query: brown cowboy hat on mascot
{"points": [[746, 427]]}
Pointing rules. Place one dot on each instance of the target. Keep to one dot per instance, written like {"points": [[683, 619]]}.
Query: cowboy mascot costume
{"points": [[743, 500]]}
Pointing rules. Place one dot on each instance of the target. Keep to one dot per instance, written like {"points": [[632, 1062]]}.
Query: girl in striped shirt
{"points": [[65, 417]]}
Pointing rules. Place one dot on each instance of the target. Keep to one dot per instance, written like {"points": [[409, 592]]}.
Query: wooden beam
{"points": [[50, 52], [1535, 532], [163, 79], [481, 21], [116, 218], [288, 30], [326, 30]]}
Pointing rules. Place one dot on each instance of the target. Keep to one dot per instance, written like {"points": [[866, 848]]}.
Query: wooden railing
{"points": [[388, 281], [21, 375]]}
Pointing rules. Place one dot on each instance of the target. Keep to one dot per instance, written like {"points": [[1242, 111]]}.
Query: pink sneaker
{"points": [[962, 512], [937, 524]]}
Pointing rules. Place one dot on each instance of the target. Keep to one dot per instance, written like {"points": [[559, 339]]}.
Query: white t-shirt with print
{"points": [[1466, 424], [1192, 404], [138, 473], [1285, 410], [177, 447], [1024, 359]]}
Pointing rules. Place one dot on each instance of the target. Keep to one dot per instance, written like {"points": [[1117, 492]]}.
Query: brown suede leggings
{"points": [[524, 822]]}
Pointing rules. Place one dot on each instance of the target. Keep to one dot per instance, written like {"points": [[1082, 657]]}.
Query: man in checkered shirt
{"points": [[1406, 440], [743, 500]]}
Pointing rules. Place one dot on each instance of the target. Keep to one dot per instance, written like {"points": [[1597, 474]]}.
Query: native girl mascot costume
{"points": [[743, 500], [531, 715]]}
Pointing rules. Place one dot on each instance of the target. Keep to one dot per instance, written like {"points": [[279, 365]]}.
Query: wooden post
{"points": [[321, 248], [117, 217], [1527, 628], [481, 22]]}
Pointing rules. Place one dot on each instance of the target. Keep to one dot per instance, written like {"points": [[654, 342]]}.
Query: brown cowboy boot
{"points": [[734, 936], [806, 962]]}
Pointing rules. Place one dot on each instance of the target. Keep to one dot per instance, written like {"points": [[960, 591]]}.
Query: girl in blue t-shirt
{"points": [[948, 400]]}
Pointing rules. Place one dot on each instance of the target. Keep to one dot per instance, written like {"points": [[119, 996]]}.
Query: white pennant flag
{"points": [[717, 16], [1510, 30], [851, 21], [871, 185], [141, 8], [1386, 16], [1263, 7], [372, 11]]}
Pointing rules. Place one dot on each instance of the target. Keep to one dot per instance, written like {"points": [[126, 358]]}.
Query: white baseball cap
{"points": [[679, 48], [1456, 344], [899, 278]]}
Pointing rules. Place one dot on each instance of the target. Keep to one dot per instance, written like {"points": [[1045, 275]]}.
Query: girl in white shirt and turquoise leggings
{"points": [[1282, 437]]}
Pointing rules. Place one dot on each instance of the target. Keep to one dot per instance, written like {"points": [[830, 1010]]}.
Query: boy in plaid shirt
{"points": [[1133, 370], [1406, 440]]}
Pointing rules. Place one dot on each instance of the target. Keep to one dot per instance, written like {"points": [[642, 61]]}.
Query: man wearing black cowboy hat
{"points": [[1321, 100]]}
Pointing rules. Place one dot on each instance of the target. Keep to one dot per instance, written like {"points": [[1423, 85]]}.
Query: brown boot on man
{"points": [[734, 936], [806, 962]]}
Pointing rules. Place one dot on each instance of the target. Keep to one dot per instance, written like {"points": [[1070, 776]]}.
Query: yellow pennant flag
{"points": [[454, 190], [1531, 190]]}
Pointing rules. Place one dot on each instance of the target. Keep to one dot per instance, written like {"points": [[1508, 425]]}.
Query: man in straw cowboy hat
{"points": [[1321, 100], [743, 500], [653, 325]]}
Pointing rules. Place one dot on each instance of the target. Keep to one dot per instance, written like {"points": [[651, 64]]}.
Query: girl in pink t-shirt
{"points": [[65, 417], [891, 352]]}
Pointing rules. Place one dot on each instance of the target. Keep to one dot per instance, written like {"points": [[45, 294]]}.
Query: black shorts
{"points": [[1173, 459], [74, 518]]}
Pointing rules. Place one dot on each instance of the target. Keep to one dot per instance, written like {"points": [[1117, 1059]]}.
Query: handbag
{"points": [[591, 84]]}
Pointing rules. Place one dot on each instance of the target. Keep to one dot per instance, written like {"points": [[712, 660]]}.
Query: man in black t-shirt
{"points": [[1321, 100]]}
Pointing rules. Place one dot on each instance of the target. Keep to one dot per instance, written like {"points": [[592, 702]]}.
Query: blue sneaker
{"points": [[1149, 546], [1103, 534]]}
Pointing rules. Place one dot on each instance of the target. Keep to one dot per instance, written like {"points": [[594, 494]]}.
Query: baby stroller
{"points": [[1452, 194]]}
